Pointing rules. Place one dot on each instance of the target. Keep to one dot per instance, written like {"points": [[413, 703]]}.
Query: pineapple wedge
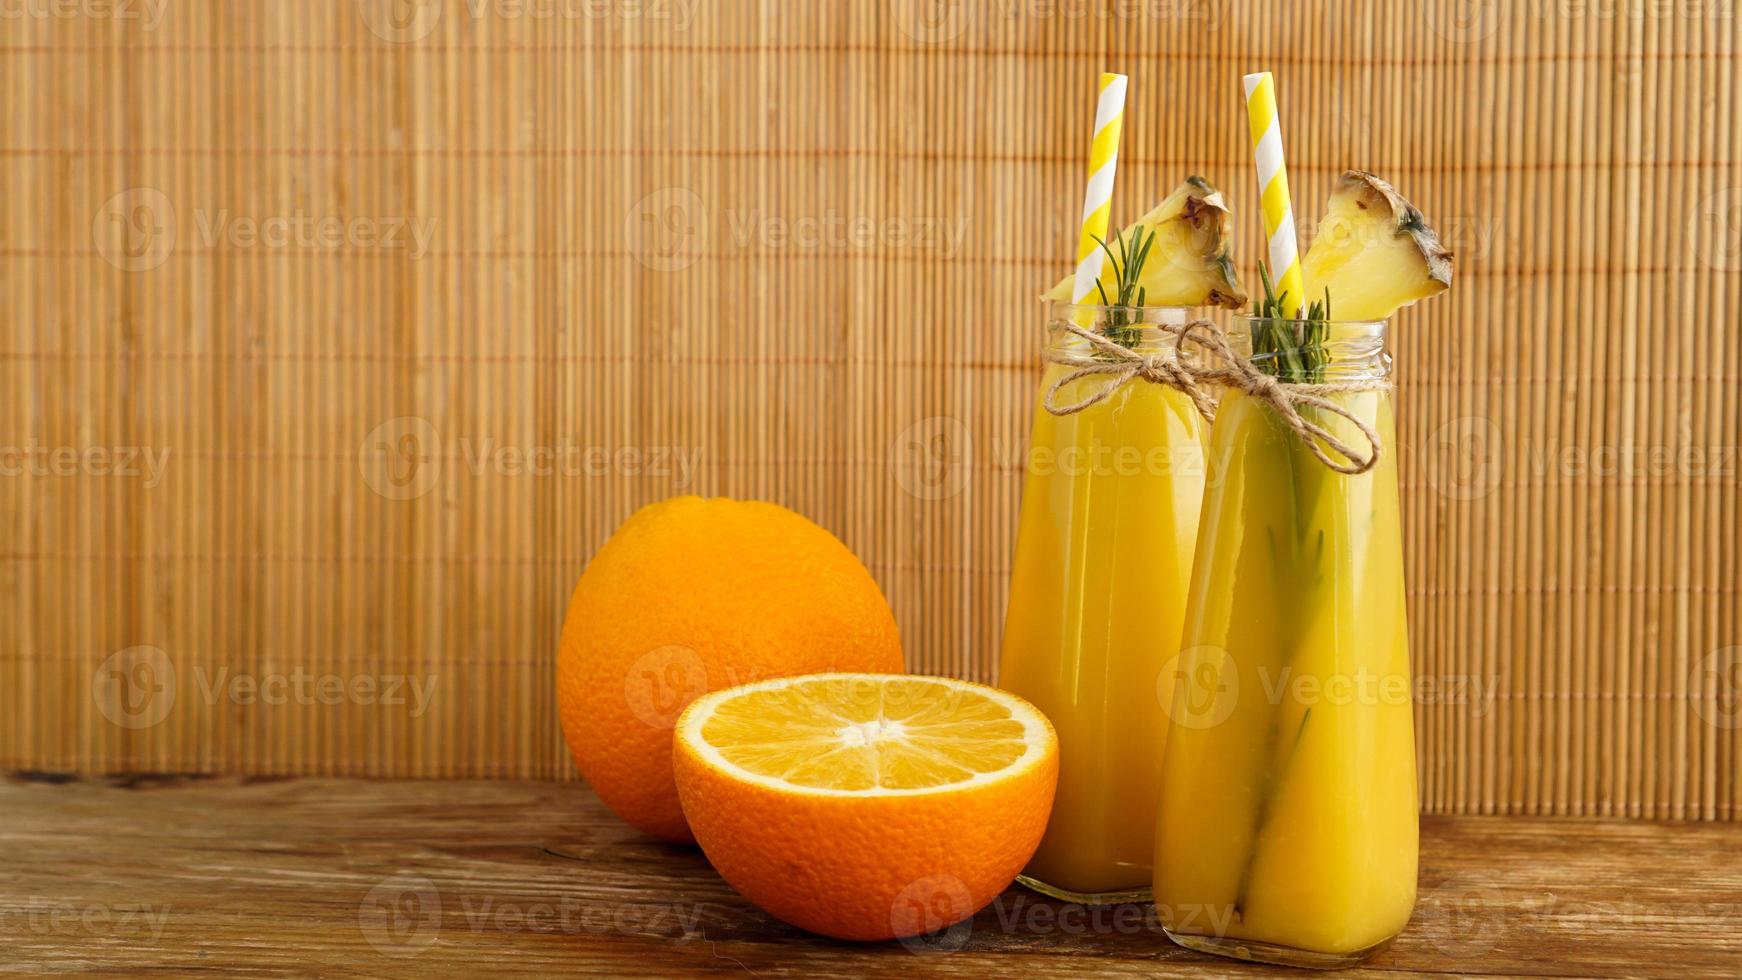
{"points": [[1189, 264], [1374, 252]]}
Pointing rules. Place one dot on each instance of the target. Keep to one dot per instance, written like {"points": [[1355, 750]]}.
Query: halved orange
{"points": [[866, 806]]}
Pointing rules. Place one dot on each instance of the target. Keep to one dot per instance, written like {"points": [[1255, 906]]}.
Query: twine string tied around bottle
{"points": [[1119, 365]]}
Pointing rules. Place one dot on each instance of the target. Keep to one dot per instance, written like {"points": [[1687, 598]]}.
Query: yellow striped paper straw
{"points": [[1098, 196], [1273, 188]]}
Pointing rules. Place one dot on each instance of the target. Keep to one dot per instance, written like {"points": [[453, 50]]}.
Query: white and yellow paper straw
{"points": [[1098, 196], [1273, 188]]}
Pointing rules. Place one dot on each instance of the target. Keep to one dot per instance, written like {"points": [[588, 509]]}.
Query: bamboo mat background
{"points": [[789, 250]]}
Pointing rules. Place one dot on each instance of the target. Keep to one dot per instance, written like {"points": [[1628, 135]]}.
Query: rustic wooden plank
{"points": [[293, 877]]}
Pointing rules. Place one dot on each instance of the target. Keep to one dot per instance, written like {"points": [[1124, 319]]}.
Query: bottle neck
{"points": [[1334, 351], [1142, 329]]}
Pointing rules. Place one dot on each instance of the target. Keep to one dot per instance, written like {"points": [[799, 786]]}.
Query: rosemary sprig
{"points": [[1261, 823], [1295, 354], [1298, 349], [1127, 268]]}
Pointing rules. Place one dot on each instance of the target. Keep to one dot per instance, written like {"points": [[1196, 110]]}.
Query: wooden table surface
{"points": [[342, 877]]}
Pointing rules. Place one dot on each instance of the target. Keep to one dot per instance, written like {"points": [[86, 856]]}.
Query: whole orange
{"points": [[692, 595]]}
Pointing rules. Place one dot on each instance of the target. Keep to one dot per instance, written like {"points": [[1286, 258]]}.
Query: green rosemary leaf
{"points": [[1143, 247], [1118, 275]]}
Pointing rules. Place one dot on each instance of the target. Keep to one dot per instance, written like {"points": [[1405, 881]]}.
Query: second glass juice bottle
{"points": [[1288, 830], [1097, 597]]}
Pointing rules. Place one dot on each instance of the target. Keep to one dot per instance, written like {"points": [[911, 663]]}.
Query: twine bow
{"points": [[1119, 365]]}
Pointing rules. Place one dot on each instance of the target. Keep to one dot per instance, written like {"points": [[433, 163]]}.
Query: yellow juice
{"points": [[1097, 597], [1288, 832]]}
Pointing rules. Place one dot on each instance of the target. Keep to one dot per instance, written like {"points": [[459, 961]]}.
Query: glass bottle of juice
{"points": [[1097, 596], [1288, 830]]}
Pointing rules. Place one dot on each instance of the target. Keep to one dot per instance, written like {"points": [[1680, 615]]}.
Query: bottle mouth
{"points": [[1086, 313], [1341, 350], [1338, 328], [1143, 329]]}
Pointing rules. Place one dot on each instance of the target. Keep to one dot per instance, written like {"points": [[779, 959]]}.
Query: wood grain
{"points": [[788, 250], [310, 876]]}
